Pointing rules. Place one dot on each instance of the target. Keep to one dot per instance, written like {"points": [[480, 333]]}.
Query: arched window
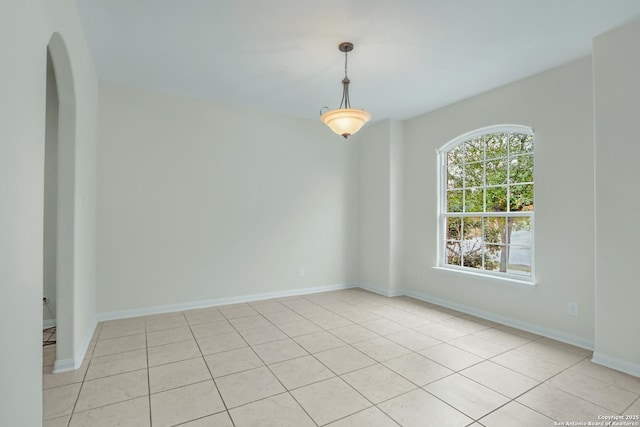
{"points": [[486, 202]]}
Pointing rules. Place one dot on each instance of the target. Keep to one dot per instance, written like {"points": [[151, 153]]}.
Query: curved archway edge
{"points": [[65, 264]]}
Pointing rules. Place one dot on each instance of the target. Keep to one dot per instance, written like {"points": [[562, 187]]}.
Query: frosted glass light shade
{"points": [[345, 121]]}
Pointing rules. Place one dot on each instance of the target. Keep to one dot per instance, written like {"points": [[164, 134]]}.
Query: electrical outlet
{"points": [[572, 308], [45, 300], [301, 271]]}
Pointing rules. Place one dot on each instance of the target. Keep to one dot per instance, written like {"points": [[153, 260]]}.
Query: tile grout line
{"points": [[73, 409], [146, 346], [121, 373], [336, 375], [563, 391], [344, 381], [485, 359], [272, 373], [544, 383], [215, 384], [506, 367], [99, 378]]}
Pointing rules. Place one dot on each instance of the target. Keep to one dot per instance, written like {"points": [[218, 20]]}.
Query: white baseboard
{"points": [[49, 323], [518, 324], [380, 291], [66, 365], [145, 311], [621, 365]]}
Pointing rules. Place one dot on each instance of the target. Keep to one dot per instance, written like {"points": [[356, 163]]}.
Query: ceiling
{"points": [[410, 56]]}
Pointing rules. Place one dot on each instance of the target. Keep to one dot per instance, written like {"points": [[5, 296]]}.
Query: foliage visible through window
{"points": [[487, 201]]}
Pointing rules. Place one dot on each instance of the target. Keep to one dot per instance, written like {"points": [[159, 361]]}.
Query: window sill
{"points": [[529, 284]]}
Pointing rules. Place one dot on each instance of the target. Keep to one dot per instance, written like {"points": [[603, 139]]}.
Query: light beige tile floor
{"points": [[342, 358]]}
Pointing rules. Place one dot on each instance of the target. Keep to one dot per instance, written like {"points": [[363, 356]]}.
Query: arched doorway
{"points": [[50, 226], [61, 135]]}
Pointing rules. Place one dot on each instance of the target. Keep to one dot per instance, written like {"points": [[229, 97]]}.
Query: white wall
{"points": [[617, 105], [381, 187], [26, 28], [50, 198], [373, 143], [396, 206], [22, 83], [558, 105], [200, 201]]}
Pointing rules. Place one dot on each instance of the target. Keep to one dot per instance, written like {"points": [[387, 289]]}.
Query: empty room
{"points": [[289, 213]]}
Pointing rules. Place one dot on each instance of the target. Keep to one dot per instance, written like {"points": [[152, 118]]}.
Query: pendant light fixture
{"points": [[345, 121]]}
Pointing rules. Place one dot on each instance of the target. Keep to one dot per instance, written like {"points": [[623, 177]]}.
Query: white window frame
{"points": [[443, 214]]}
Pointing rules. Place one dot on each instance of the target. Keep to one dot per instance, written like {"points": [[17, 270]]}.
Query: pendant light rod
{"points": [[345, 47]]}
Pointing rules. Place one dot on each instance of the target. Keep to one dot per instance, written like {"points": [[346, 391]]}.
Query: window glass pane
{"points": [[520, 143], [474, 150], [453, 253], [472, 253], [495, 258], [473, 200], [472, 228], [474, 174], [455, 155], [520, 228], [496, 145], [454, 228], [494, 230], [496, 172], [454, 176], [472, 242], [497, 199], [520, 245], [521, 169], [454, 201], [521, 198], [519, 260]]}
